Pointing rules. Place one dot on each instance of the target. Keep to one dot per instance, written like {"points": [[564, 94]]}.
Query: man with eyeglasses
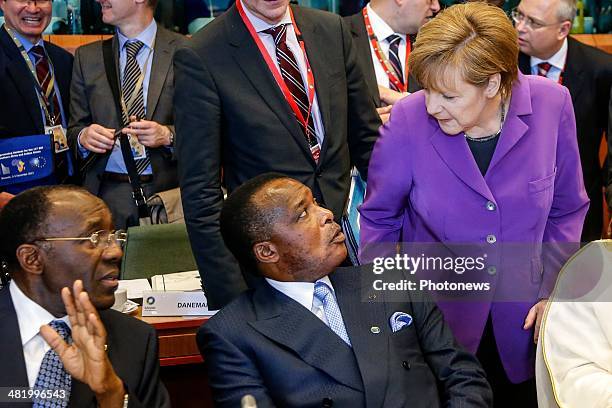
{"points": [[59, 341], [543, 28], [34, 86]]}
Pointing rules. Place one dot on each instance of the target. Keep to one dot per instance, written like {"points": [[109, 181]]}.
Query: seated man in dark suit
{"points": [[304, 337], [65, 344]]}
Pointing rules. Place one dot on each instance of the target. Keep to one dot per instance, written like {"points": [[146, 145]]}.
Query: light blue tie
{"points": [[52, 376], [331, 309]]}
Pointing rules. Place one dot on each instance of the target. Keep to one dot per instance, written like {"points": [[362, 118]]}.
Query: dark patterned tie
{"points": [[52, 375], [394, 60], [131, 74], [44, 75], [293, 79], [543, 68]]}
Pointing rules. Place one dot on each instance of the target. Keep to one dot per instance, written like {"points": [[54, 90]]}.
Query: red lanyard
{"points": [[382, 59], [275, 71]]}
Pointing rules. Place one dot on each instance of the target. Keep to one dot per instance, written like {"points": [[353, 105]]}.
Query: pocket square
{"points": [[399, 320]]}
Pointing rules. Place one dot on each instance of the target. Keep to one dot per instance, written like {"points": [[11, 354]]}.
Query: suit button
{"points": [[491, 206], [318, 172], [491, 239], [327, 403], [406, 365]]}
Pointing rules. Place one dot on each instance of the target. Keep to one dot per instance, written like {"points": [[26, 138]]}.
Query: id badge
{"points": [[60, 141], [138, 149]]}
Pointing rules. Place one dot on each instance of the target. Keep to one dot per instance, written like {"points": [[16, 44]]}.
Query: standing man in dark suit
{"points": [[35, 88], [382, 33], [142, 53], [266, 87], [546, 49], [66, 343], [305, 336]]}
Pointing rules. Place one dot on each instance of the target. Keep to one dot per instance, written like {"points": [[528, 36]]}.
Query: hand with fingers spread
{"points": [[97, 139], [148, 132], [86, 359], [534, 317]]}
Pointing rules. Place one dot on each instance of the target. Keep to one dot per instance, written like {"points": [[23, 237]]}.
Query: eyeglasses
{"points": [[99, 237], [529, 22], [41, 3]]}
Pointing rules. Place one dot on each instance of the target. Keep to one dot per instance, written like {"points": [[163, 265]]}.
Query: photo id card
{"points": [[138, 149], [60, 141]]}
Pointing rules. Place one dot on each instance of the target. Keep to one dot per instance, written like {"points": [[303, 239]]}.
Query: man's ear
{"points": [[266, 252], [31, 258], [493, 85], [564, 29]]}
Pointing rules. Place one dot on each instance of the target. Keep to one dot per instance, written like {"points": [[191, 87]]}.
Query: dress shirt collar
{"points": [[261, 25], [26, 43], [381, 29], [30, 315], [147, 36], [557, 60], [301, 292]]}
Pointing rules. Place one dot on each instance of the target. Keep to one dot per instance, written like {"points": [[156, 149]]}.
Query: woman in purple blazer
{"points": [[482, 155]]}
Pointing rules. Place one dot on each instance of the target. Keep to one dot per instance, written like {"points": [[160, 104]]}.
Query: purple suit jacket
{"points": [[425, 186]]}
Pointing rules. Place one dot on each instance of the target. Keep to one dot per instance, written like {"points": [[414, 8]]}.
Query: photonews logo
{"points": [[150, 300]]}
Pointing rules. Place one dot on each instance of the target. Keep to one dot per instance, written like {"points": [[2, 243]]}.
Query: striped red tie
{"points": [[293, 79]]}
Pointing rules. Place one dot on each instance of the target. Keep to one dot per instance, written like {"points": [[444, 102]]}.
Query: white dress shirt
{"points": [[303, 293], [294, 46], [557, 61], [30, 316], [382, 31]]}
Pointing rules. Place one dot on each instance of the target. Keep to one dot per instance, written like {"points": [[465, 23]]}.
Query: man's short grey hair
{"points": [[566, 11]]}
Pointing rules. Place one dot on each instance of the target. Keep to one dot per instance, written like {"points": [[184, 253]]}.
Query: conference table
{"points": [[182, 367]]}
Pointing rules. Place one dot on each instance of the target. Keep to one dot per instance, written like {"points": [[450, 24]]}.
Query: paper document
{"points": [[185, 281], [134, 287]]}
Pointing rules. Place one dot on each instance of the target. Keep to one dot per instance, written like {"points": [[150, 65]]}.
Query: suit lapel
{"points": [[22, 78], [524, 64], [13, 372], [371, 349], [572, 76], [257, 72], [289, 324], [514, 127], [81, 395], [362, 47], [162, 59], [455, 152]]}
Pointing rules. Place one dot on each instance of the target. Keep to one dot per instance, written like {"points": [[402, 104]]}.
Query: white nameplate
{"points": [[175, 303]]}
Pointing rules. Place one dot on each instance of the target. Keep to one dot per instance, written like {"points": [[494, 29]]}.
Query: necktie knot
{"points": [[62, 329], [133, 48], [279, 33], [39, 53], [543, 68], [321, 291], [394, 39]]}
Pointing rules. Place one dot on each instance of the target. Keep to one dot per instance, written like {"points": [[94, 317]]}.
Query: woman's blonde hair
{"points": [[476, 39]]}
